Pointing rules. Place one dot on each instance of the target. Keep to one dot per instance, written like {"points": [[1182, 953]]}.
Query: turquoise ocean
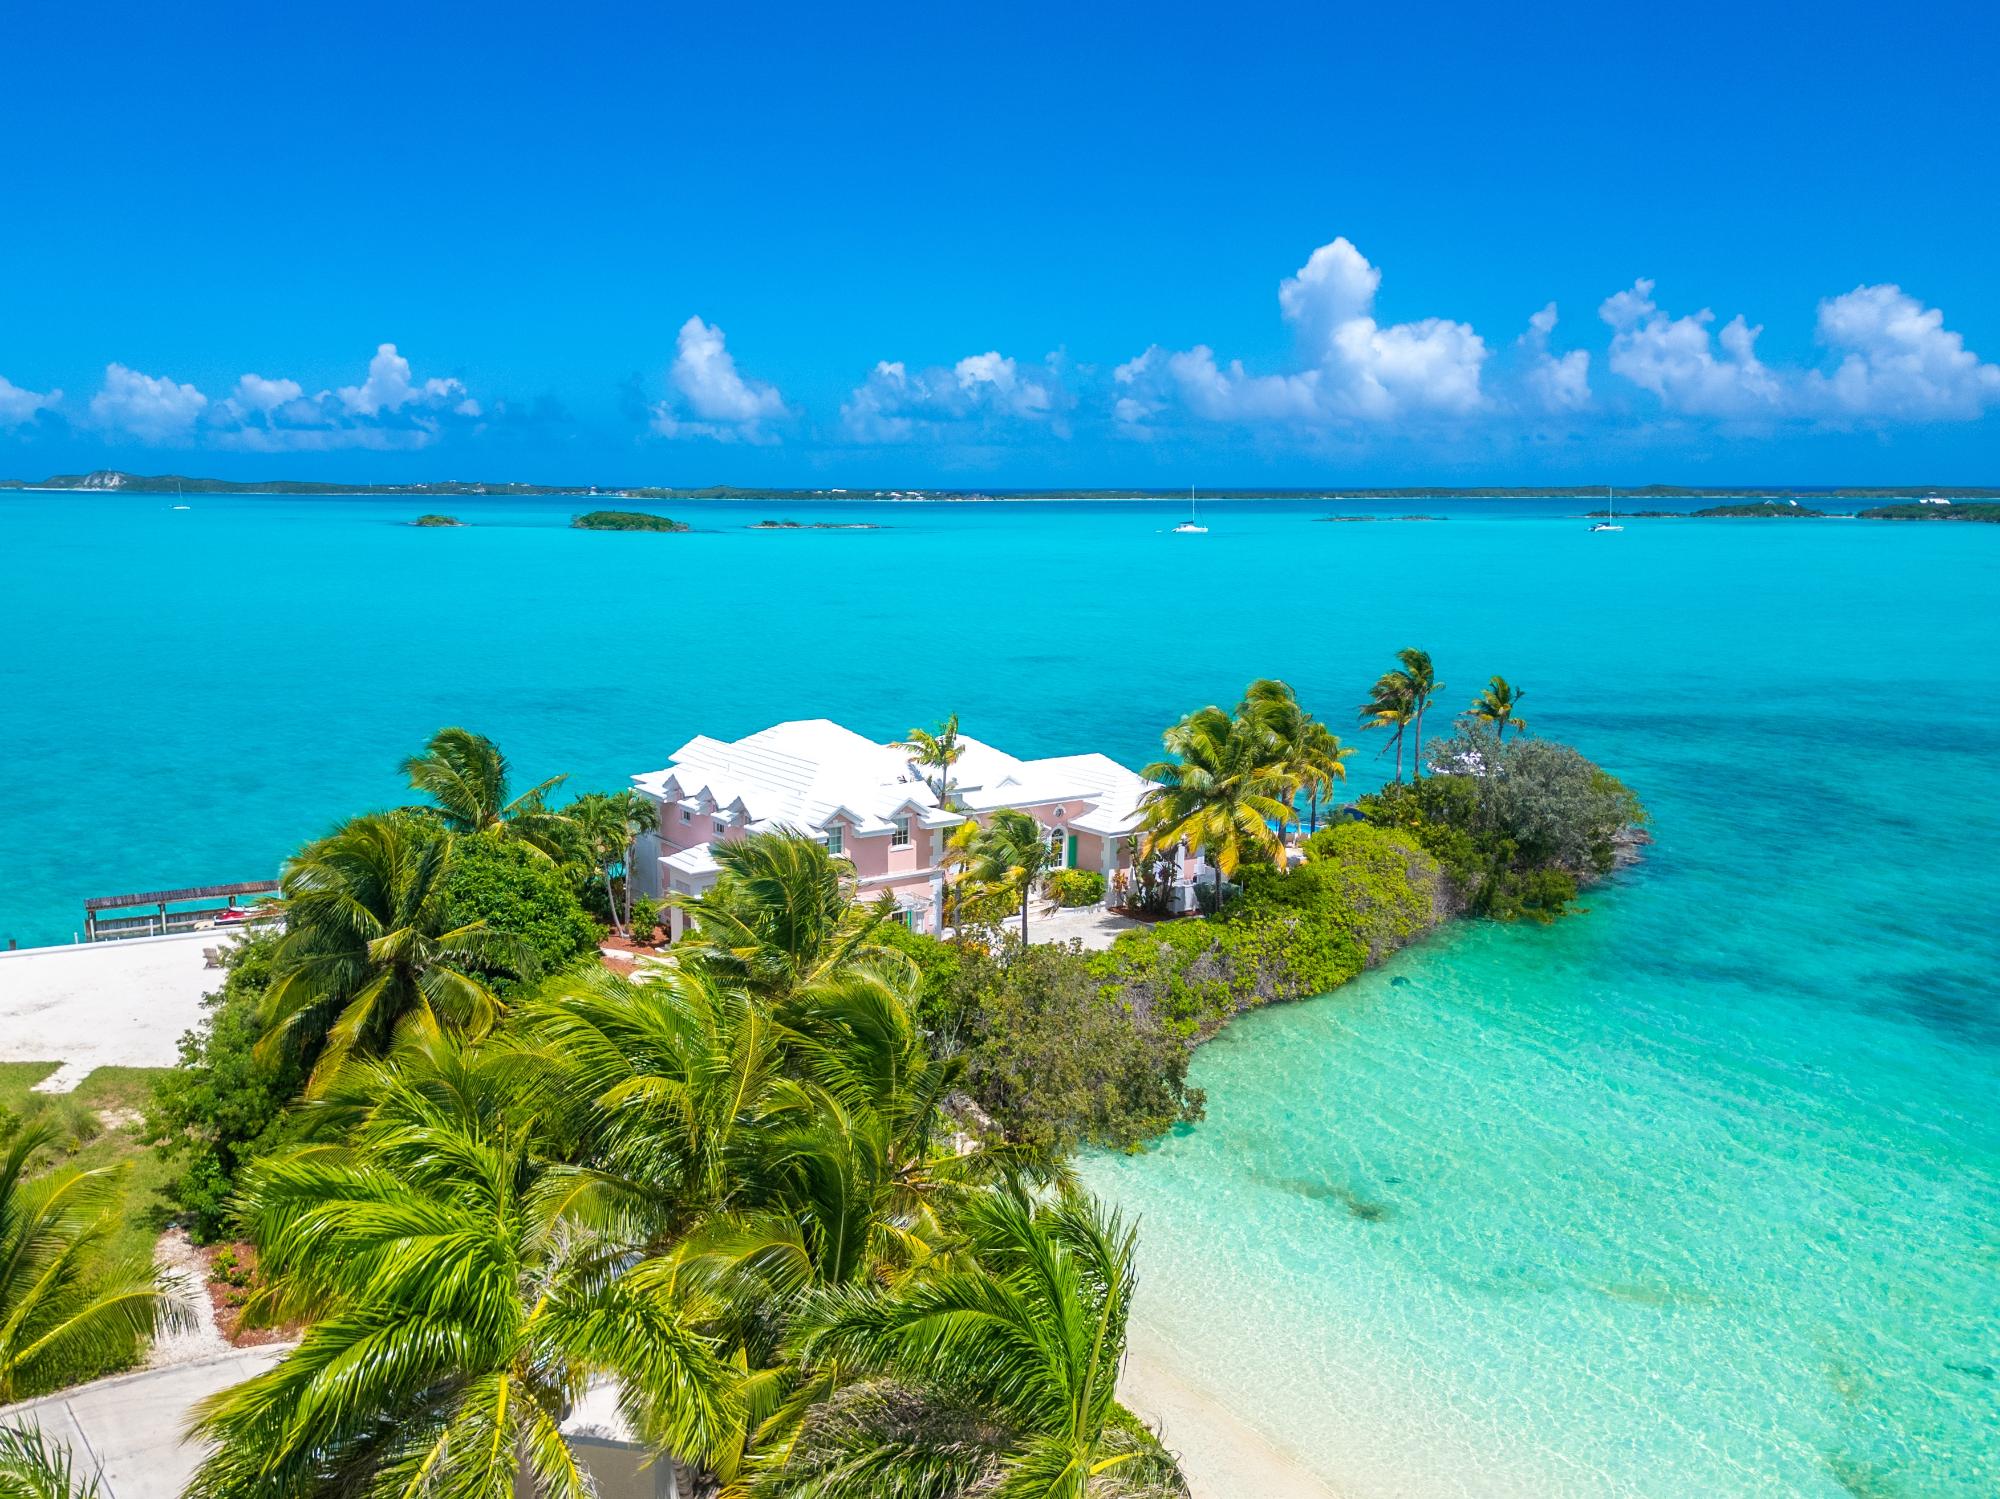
{"points": [[1695, 1194]]}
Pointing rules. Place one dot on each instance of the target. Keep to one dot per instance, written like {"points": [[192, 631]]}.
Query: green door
{"points": [[1069, 857]]}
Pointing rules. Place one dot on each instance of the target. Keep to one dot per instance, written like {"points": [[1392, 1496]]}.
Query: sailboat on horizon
{"points": [[1190, 526], [1611, 510]]}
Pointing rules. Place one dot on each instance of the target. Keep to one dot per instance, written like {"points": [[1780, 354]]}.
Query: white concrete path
{"points": [[129, 1430], [104, 1004], [1093, 926]]}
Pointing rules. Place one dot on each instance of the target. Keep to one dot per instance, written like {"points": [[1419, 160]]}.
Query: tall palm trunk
{"points": [[1025, 888], [611, 901], [1417, 759], [1399, 754], [625, 857]]}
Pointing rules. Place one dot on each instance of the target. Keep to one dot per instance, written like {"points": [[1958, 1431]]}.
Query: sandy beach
{"points": [[1222, 1456]]}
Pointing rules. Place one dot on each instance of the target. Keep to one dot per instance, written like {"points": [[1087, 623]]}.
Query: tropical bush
{"points": [[71, 1307], [506, 887], [1076, 887], [226, 1103], [1518, 824], [1362, 894], [733, 1189], [1057, 1059]]}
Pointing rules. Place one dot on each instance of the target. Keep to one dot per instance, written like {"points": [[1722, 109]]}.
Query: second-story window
{"points": [[686, 816], [836, 840], [899, 837], [721, 829]]}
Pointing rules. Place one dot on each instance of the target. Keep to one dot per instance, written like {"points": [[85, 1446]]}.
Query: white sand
{"points": [[104, 1004], [187, 1273], [1222, 1456]]}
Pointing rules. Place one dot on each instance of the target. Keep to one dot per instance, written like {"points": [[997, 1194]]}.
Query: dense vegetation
{"points": [[1760, 510], [1920, 511], [437, 520], [801, 1192], [625, 520]]}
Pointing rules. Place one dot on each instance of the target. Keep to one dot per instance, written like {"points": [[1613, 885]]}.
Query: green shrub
{"points": [[1517, 825], [1058, 1060], [647, 914], [1285, 935], [514, 890], [944, 1000], [1076, 887], [223, 1106]]}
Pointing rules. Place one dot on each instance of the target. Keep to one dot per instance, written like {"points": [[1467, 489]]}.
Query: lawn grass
{"points": [[100, 1124]]}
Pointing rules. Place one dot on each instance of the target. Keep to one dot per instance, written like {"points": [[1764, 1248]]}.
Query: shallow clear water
{"points": [[1694, 1195]]}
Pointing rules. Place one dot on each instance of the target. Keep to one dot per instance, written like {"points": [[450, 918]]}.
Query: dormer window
{"points": [[836, 839], [899, 834]]}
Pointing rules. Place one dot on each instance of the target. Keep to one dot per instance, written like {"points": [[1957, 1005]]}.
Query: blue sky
{"points": [[1012, 245]]}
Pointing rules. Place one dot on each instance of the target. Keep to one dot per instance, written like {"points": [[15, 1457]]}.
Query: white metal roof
{"points": [[807, 773]]}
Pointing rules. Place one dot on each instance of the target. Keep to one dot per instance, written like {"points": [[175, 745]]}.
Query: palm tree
{"points": [[1308, 757], [465, 776], [665, 1086], [68, 1307], [996, 1376], [1010, 849], [607, 826], [370, 950], [782, 917], [457, 1309], [1424, 686], [1496, 706], [34, 1467], [1391, 705], [771, 1157], [937, 750], [1222, 793]]}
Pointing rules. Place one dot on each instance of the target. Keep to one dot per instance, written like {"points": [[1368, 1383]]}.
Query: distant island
{"points": [[115, 480], [1337, 520], [1988, 513], [818, 525], [1759, 510], [437, 520], [626, 520]]}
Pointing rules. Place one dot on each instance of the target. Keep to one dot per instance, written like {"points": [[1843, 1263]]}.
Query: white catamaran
{"points": [[1190, 527]]}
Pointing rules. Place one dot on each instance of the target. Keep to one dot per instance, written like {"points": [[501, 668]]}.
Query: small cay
{"points": [[625, 520]]}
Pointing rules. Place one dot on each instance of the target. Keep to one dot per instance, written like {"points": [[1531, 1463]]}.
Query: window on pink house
{"points": [[836, 840], [899, 837]]}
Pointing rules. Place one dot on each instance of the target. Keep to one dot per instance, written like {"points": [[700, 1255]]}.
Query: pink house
{"points": [[873, 806]]}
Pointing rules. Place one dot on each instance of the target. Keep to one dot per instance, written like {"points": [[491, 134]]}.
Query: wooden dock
{"points": [[159, 920]]}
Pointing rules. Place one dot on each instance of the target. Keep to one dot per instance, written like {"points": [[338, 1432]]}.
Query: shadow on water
{"points": [[1361, 1209], [1963, 1005]]}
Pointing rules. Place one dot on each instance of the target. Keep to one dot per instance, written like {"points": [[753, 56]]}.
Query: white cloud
{"points": [[1897, 359], [1675, 358], [389, 388], [148, 407], [388, 410], [979, 396], [255, 393], [1356, 370], [723, 403], [1559, 382], [18, 406]]}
